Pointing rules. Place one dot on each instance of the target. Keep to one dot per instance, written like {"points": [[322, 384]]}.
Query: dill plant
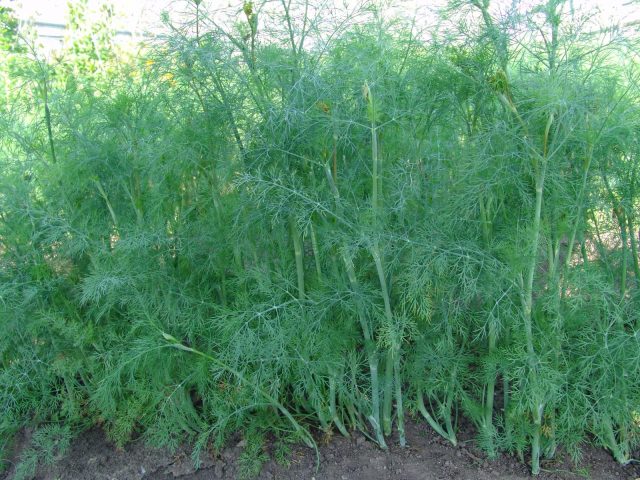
{"points": [[275, 224]]}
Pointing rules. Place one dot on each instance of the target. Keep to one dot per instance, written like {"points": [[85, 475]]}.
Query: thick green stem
{"points": [[634, 250], [374, 419], [506, 392], [449, 403], [297, 248], [495, 35], [230, 115], [535, 441], [370, 348], [332, 405], [399, 402], [387, 393], [375, 159], [387, 405], [485, 220], [447, 419], [432, 422], [322, 418], [600, 245], [491, 384], [583, 251], [103, 194], [554, 20], [490, 387], [223, 288], [47, 117], [528, 292], [623, 236], [388, 376], [372, 355], [619, 449], [578, 222], [506, 399], [619, 213], [541, 167], [237, 257], [316, 250]]}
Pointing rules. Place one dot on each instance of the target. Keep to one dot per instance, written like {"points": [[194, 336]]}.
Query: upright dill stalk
{"points": [[298, 252], [540, 169], [316, 250], [392, 360], [486, 204], [376, 179], [44, 87], [370, 347]]}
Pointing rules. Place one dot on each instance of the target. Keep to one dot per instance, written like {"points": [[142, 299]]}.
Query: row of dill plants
{"points": [[290, 224]]}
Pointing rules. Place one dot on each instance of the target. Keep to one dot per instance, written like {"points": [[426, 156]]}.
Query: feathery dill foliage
{"points": [[288, 224]]}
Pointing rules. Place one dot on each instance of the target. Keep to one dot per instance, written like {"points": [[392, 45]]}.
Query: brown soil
{"points": [[427, 457]]}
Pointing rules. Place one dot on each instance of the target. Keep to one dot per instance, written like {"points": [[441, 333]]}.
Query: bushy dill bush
{"points": [[283, 225]]}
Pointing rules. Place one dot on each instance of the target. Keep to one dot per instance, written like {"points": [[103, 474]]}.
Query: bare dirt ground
{"points": [[427, 457]]}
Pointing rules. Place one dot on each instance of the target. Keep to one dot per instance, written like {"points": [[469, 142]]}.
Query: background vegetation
{"points": [[274, 222]]}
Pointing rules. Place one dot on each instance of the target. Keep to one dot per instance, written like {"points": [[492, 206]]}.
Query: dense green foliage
{"points": [[285, 225]]}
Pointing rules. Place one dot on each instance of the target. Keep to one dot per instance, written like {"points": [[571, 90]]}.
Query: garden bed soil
{"points": [[426, 457]]}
